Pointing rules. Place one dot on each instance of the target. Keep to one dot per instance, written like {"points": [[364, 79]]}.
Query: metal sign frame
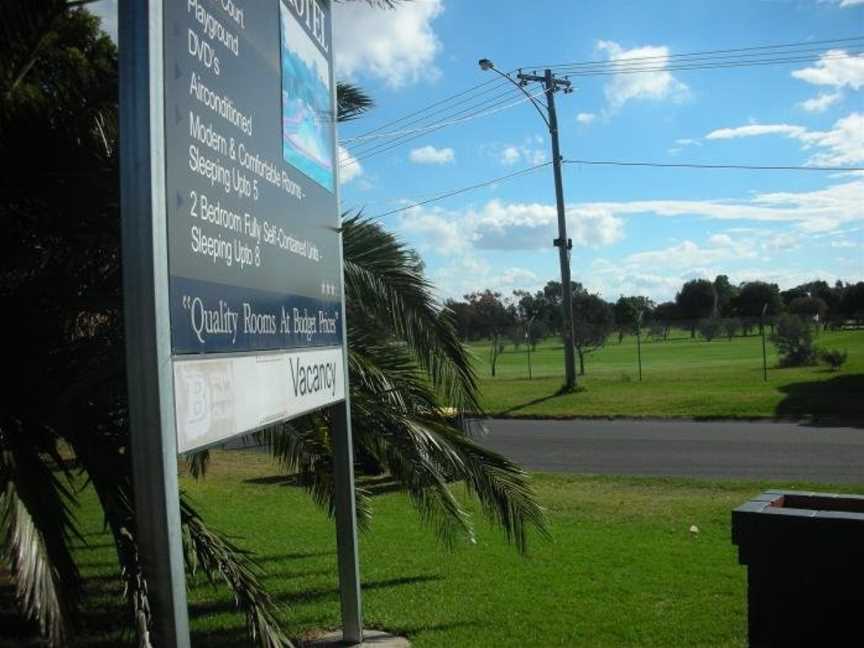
{"points": [[148, 343]]}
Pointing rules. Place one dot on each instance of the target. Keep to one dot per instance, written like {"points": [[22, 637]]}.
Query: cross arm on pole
{"points": [[521, 89]]}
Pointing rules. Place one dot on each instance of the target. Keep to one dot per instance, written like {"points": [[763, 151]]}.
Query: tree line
{"points": [[711, 309]]}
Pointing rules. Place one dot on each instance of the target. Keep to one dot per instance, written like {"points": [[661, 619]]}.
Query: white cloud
{"points": [[468, 274], [782, 242], [594, 227], [845, 142], [687, 255], [517, 277], [753, 130], [499, 225], [526, 226], [843, 145], [585, 118], [510, 155], [612, 279], [432, 155], [681, 144], [821, 102], [660, 273], [720, 240], [437, 229], [397, 46], [850, 3], [625, 86], [349, 167], [529, 152], [819, 210], [835, 68]]}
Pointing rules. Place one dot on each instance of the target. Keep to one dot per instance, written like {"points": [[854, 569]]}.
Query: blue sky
{"points": [[635, 230]]}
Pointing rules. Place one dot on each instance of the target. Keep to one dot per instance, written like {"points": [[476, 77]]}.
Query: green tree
{"points": [[627, 311], [593, 321], [710, 328], [696, 300], [730, 327], [664, 315], [813, 307], [726, 294], [61, 277], [754, 295], [852, 302], [834, 358], [793, 338]]}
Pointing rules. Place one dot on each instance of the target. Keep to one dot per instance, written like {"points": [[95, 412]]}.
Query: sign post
{"points": [[232, 254]]}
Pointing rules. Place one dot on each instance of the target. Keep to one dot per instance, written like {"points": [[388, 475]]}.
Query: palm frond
{"points": [[383, 275], [303, 447], [404, 359], [214, 555], [396, 419], [109, 471], [501, 486], [36, 526], [197, 463], [205, 551], [351, 101]]}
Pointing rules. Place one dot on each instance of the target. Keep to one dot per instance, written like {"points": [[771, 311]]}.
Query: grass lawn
{"points": [[621, 569], [681, 377]]}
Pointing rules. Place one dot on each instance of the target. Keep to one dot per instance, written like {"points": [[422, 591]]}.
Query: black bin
{"points": [[804, 554]]}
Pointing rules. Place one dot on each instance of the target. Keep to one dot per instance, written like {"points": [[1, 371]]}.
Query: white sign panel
{"points": [[220, 397]]}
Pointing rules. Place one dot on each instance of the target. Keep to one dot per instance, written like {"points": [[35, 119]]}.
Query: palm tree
{"points": [[411, 386], [63, 417]]}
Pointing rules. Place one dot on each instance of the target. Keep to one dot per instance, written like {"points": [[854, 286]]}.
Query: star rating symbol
{"points": [[329, 289]]}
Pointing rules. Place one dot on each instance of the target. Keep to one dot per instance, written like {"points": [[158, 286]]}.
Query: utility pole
{"points": [[564, 244], [551, 85]]}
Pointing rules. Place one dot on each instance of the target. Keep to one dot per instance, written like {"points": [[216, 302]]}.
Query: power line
{"points": [[455, 192], [450, 106], [365, 148], [434, 105], [419, 122], [808, 53], [387, 146], [620, 163], [423, 129], [623, 69], [694, 165], [706, 52]]}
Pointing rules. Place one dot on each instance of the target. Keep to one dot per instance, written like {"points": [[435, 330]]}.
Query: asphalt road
{"points": [[716, 449]]}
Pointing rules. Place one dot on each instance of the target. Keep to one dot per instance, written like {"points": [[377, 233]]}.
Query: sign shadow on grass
{"points": [[837, 401], [291, 599], [536, 401]]}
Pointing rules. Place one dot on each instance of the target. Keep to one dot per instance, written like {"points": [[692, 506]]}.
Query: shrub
{"points": [[835, 358], [658, 330], [709, 328], [793, 338], [731, 326]]}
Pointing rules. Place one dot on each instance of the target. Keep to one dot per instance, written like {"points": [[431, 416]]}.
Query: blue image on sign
{"points": [[307, 131]]}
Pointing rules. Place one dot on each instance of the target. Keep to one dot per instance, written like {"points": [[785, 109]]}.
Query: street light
{"points": [[551, 85]]}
